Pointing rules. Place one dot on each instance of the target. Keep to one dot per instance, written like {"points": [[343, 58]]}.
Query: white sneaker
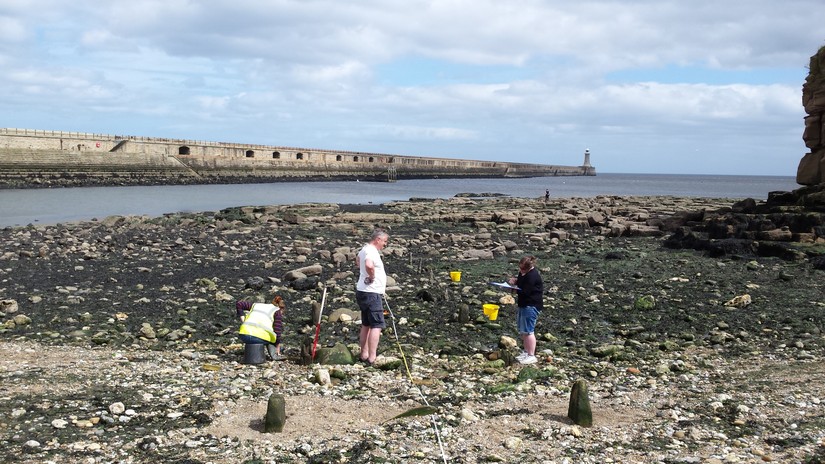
{"points": [[528, 360], [522, 356]]}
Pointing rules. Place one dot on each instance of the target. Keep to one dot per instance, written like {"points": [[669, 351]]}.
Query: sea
{"points": [[48, 206]]}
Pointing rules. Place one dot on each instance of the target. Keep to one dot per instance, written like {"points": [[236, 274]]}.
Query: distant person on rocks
{"points": [[529, 301], [262, 324], [372, 283], [546, 195]]}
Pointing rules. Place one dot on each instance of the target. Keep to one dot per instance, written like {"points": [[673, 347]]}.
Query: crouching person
{"points": [[258, 324]]}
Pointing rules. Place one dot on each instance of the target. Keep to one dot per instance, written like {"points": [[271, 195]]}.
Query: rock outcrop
{"points": [[118, 339], [811, 170], [790, 225]]}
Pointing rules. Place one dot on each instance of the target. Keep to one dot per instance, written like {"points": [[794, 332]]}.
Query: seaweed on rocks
{"points": [[140, 311]]}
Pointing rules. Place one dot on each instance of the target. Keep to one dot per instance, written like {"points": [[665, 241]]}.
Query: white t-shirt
{"points": [[379, 283]]}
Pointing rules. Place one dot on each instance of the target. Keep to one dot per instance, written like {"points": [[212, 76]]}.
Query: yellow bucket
{"points": [[455, 276], [491, 311]]}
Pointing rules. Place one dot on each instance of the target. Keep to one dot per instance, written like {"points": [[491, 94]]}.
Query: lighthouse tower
{"points": [[587, 169]]}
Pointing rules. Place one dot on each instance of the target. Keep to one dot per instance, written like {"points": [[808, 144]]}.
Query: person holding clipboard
{"points": [[529, 291]]}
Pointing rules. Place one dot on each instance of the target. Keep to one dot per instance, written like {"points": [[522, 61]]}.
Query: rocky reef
{"points": [[790, 225], [118, 338]]}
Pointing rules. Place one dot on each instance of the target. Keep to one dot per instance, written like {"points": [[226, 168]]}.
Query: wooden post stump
{"points": [[275, 414], [315, 314], [579, 408], [464, 313], [306, 350]]}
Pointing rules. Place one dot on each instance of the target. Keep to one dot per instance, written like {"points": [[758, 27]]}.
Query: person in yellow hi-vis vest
{"points": [[258, 326]]}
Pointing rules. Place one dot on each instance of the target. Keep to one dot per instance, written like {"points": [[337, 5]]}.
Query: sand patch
{"points": [[307, 417]]}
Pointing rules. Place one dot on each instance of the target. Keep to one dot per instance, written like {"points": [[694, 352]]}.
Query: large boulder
{"points": [[335, 355], [303, 272], [810, 169]]}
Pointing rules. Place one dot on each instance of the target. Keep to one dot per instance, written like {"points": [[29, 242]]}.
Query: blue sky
{"points": [[648, 86]]}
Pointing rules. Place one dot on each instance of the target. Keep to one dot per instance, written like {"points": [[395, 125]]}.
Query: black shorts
{"points": [[372, 310]]}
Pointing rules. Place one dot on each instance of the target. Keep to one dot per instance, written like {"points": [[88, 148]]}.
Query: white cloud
{"points": [[479, 76], [336, 75], [11, 30], [209, 103], [432, 133], [59, 85]]}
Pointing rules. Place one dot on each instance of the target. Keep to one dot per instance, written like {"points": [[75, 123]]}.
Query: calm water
{"points": [[51, 206]]}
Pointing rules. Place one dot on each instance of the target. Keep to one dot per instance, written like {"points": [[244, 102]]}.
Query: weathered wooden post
{"points": [[275, 414], [579, 408], [306, 350], [463, 313], [315, 314]]}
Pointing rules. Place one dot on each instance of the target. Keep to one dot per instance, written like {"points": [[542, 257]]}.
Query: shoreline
{"points": [[49, 206], [140, 310]]}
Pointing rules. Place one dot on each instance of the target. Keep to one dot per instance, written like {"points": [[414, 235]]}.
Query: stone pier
{"points": [[41, 158]]}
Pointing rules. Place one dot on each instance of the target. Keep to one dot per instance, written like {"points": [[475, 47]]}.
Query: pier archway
{"points": [[299, 156], [276, 155], [184, 150], [250, 154]]}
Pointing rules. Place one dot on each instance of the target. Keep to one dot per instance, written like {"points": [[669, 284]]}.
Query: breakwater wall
{"points": [[43, 158]]}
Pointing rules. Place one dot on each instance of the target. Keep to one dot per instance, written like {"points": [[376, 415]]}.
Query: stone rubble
{"points": [[117, 339]]}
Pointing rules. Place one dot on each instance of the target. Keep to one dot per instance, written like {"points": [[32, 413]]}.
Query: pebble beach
{"points": [[118, 338]]}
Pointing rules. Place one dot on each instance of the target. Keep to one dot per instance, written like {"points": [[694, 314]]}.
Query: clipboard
{"points": [[504, 285]]}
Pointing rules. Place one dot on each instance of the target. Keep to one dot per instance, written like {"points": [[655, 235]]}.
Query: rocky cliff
{"points": [[811, 169], [790, 225]]}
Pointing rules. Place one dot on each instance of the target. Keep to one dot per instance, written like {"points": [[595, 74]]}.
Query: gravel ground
{"points": [[117, 340]]}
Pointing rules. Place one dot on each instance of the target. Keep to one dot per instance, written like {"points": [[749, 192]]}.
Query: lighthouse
{"points": [[587, 169]]}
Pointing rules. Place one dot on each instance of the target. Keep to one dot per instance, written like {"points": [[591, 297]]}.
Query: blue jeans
{"points": [[250, 340], [527, 317]]}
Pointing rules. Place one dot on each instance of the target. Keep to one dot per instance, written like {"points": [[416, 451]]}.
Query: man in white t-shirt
{"points": [[372, 283]]}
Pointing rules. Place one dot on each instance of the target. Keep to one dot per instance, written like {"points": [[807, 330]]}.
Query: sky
{"points": [[648, 86]]}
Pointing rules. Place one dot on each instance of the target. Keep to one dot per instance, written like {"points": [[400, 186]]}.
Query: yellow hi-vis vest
{"points": [[258, 322]]}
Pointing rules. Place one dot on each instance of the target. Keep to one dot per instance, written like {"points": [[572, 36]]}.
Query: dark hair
{"points": [[527, 262]]}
